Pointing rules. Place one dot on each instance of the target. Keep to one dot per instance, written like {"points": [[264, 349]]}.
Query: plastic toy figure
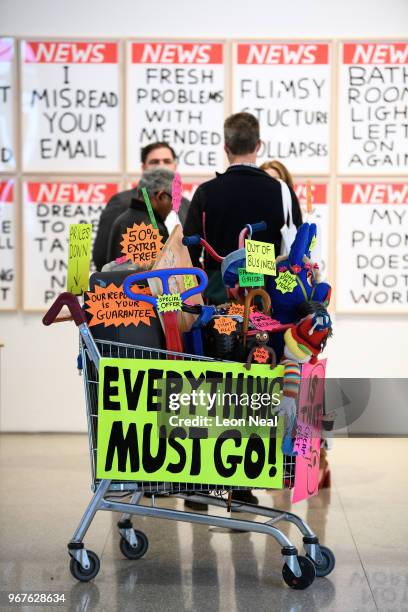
{"points": [[261, 352]]}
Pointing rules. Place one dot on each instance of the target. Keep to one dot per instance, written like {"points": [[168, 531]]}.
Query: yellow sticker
{"points": [[189, 281], [312, 243], [79, 257], [260, 257], [168, 302], [286, 282]]}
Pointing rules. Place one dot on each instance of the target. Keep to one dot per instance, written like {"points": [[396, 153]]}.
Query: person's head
{"points": [[241, 137], [277, 170], [158, 183], [158, 155]]}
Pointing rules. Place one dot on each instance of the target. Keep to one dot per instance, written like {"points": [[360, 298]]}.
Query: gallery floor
{"points": [[44, 488]]}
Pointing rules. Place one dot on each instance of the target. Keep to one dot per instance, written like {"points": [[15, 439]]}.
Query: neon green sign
{"points": [[189, 421]]}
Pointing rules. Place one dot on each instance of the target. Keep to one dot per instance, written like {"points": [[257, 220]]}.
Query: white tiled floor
{"points": [[44, 488]]}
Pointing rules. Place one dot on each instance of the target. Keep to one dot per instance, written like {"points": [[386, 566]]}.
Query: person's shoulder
{"points": [[123, 198], [122, 218], [203, 186]]}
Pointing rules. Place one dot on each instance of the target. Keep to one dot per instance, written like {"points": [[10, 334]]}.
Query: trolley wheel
{"points": [[134, 552], [302, 582], [327, 563], [85, 575]]}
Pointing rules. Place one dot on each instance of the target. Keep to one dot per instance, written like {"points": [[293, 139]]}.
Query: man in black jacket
{"points": [[154, 155], [158, 186], [221, 208]]}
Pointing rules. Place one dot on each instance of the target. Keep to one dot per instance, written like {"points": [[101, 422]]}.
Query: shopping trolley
{"points": [[298, 571]]}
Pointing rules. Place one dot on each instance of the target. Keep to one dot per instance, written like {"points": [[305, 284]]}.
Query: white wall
{"points": [[40, 389]]}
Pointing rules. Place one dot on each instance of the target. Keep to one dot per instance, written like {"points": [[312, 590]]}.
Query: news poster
{"points": [[8, 288], [372, 254], [175, 94], [70, 96], [49, 208], [7, 95], [373, 111], [287, 86]]}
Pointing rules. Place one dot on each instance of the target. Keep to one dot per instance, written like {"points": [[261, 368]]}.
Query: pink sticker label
{"points": [[308, 431], [264, 323]]}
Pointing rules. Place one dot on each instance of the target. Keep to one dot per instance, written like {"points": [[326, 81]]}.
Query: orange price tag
{"points": [[142, 244], [109, 306], [261, 355], [225, 325], [236, 309]]}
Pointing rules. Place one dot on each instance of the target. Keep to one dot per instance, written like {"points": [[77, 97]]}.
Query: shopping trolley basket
{"points": [[298, 571]]}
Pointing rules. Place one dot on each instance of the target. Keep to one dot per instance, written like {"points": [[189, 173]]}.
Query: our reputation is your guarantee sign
{"points": [[71, 106], [372, 254], [175, 94], [189, 421], [7, 93], [373, 111], [49, 208], [7, 246], [287, 87]]}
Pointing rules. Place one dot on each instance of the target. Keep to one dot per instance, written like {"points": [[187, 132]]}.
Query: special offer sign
{"points": [[373, 112], [49, 208], [176, 95], [372, 253], [287, 87], [71, 106]]}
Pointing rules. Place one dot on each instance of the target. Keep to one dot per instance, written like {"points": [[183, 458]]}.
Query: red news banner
{"points": [[71, 106], [7, 246], [7, 93], [176, 94], [49, 208], [373, 112], [287, 87], [372, 258]]}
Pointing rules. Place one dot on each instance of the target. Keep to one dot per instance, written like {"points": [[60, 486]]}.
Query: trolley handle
{"points": [[69, 300], [191, 240], [197, 240], [258, 227]]}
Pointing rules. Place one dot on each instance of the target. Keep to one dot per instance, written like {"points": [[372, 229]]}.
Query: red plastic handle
{"points": [[69, 300]]}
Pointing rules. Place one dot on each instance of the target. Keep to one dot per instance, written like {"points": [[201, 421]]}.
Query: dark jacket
{"points": [[136, 213], [243, 194], [115, 207]]}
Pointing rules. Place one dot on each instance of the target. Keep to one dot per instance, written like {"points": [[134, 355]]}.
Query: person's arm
{"points": [[115, 238], [183, 210], [194, 224], [100, 247], [296, 210]]}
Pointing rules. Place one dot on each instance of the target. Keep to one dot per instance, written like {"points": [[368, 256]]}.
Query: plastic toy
{"points": [[297, 281], [231, 263], [173, 337], [303, 343], [261, 352]]}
